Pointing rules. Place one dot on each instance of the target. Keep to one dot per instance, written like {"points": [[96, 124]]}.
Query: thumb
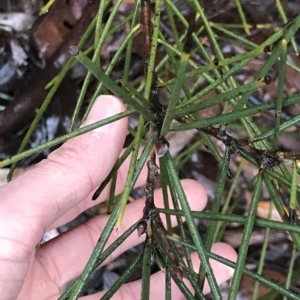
{"points": [[43, 194]]}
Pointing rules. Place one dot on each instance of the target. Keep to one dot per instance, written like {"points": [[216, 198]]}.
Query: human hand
{"points": [[53, 193]]}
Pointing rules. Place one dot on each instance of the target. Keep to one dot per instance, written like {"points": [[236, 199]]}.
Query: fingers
{"points": [[75, 247], [87, 202], [132, 290], [46, 192]]}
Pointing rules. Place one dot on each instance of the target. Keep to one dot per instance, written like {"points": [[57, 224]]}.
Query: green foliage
{"points": [[184, 103]]}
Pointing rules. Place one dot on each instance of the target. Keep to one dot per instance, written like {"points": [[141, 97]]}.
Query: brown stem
{"points": [[146, 27], [151, 223]]}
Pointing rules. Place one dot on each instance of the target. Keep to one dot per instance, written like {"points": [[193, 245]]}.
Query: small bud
{"points": [[146, 61], [155, 91], [280, 154], [178, 273], [141, 228], [73, 50], [268, 48], [267, 79], [162, 146], [216, 62], [229, 174]]}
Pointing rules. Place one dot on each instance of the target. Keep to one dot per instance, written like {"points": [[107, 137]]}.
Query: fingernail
{"points": [[104, 107]]}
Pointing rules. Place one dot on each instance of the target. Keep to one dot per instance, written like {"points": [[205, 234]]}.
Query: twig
{"points": [[151, 223]]}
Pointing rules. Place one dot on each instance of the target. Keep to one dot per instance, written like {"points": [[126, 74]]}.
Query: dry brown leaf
{"points": [[53, 29], [247, 284], [263, 211]]}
